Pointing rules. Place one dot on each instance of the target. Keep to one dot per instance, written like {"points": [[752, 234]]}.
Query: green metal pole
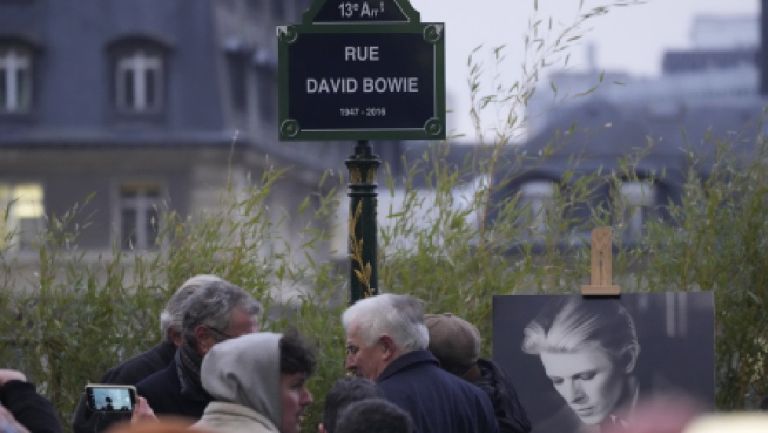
{"points": [[363, 274]]}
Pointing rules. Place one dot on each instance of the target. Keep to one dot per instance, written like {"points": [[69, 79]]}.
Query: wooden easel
{"points": [[602, 265]]}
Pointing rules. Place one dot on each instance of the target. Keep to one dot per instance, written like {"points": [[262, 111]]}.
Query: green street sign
{"points": [[361, 70]]}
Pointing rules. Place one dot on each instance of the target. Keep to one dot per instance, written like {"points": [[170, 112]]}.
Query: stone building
{"points": [[139, 105]]}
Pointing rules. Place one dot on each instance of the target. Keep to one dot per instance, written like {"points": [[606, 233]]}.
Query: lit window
{"points": [[139, 81], [15, 79], [139, 216], [639, 199], [537, 197], [21, 214]]}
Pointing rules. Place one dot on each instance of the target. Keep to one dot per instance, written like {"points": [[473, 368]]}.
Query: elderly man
{"points": [[142, 365], [456, 344], [387, 342], [217, 311]]}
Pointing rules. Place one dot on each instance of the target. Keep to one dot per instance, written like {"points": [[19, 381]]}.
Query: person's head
{"points": [[264, 371], [374, 416], [297, 363], [454, 342], [588, 349], [734, 422], [172, 316], [380, 329], [217, 311], [345, 391]]}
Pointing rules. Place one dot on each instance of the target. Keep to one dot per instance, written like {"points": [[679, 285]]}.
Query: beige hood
{"points": [[246, 371]]}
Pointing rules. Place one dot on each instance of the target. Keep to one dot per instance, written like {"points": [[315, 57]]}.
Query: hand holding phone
{"points": [[110, 398]]}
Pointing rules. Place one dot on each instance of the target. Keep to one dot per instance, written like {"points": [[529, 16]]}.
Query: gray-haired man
{"points": [[142, 365], [217, 311], [387, 342]]}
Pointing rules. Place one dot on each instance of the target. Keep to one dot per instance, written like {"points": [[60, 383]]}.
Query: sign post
{"points": [[361, 70]]}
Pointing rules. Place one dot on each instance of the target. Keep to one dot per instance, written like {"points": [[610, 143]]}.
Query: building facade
{"points": [[141, 105], [706, 96]]}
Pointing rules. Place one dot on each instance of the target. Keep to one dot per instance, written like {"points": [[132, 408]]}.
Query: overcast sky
{"points": [[630, 38]]}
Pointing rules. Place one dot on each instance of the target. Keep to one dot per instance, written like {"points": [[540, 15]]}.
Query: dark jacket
{"points": [[509, 412], [437, 401], [30, 409], [164, 394], [129, 372]]}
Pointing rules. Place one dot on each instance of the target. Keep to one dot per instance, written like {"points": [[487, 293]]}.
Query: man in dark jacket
{"points": [[142, 365], [27, 408], [217, 311], [387, 342], [456, 344]]}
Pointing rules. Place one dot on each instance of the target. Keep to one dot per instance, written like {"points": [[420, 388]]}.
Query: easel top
{"points": [[602, 265], [373, 12]]}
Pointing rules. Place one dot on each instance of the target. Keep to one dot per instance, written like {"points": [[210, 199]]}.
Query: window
{"points": [[537, 198], [15, 79], [139, 80], [21, 214], [639, 198], [139, 215]]}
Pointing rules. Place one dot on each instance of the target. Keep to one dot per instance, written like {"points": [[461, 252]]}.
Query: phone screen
{"points": [[105, 398]]}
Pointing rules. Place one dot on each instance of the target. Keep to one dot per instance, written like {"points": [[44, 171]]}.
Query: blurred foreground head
{"points": [[164, 426], [744, 422], [374, 416], [660, 414], [344, 392]]}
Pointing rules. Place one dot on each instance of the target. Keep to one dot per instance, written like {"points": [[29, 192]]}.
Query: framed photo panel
{"points": [[579, 363]]}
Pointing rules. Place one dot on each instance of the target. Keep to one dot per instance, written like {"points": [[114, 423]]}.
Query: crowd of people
{"points": [[410, 372]]}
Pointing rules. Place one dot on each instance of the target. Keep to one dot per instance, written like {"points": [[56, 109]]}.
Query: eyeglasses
{"points": [[351, 349], [223, 335]]}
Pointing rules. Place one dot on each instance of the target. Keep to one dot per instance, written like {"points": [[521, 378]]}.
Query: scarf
{"points": [[188, 363]]}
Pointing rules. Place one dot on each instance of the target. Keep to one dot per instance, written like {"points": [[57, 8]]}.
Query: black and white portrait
{"points": [[581, 363]]}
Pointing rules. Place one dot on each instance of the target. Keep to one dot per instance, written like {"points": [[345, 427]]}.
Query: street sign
{"points": [[361, 70]]}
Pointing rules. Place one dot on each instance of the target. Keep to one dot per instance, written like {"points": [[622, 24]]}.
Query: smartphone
{"points": [[102, 397]]}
